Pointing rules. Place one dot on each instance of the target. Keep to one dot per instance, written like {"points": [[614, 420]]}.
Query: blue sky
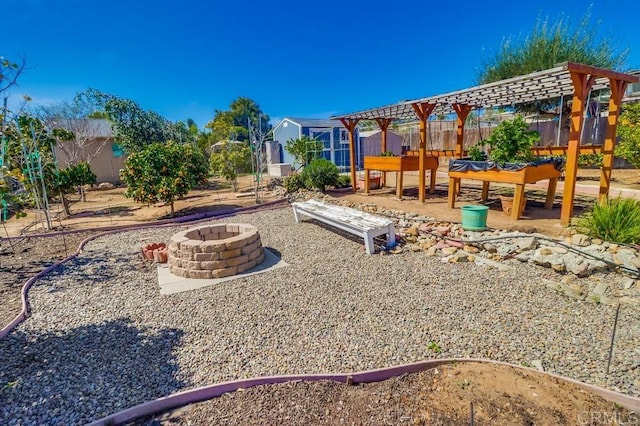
{"points": [[184, 59]]}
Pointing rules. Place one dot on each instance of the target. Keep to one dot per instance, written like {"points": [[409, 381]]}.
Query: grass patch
{"points": [[616, 220]]}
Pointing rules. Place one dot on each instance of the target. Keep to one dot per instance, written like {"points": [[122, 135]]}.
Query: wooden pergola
{"points": [[568, 78]]}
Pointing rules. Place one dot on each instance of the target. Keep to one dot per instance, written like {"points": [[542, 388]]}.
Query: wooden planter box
{"points": [[399, 164], [528, 174]]}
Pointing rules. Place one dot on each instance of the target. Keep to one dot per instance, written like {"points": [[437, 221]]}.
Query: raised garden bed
{"points": [[519, 174], [399, 164]]}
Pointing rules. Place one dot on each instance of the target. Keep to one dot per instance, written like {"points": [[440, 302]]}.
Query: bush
{"points": [[616, 220], [320, 173], [344, 181], [294, 182]]}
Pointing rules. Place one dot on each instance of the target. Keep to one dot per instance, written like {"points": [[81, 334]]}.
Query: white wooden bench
{"points": [[357, 222]]}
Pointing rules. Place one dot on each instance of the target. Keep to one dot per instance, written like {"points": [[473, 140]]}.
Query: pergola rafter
{"points": [[568, 78]]}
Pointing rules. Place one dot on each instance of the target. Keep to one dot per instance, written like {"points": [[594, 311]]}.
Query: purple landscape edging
{"points": [[195, 218], [204, 393]]}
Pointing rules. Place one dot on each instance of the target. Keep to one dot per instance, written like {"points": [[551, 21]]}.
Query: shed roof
{"points": [[314, 122], [541, 85]]}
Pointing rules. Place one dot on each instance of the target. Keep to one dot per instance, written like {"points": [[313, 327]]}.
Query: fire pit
{"points": [[215, 251]]}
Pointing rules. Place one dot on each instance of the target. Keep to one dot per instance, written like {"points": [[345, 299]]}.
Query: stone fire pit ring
{"points": [[215, 251]]}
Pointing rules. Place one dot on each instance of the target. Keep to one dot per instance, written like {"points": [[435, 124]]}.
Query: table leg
{"points": [[452, 192], [432, 183], [399, 185], [551, 193], [383, 179], [517, 202], [485, 191], [366, 181]]}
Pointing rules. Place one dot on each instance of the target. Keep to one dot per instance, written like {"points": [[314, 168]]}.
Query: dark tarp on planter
{"points": [[463, 165]]}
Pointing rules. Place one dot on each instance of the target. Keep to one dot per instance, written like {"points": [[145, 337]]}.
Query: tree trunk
{"points": [[65, 205], [172, 209], [83, 194]]}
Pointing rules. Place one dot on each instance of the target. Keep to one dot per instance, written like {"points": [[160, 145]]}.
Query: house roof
{"points": [[541, 85], [314, 122]]}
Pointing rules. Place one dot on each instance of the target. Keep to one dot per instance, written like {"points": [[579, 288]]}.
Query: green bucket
{"points": [[474, 218]]}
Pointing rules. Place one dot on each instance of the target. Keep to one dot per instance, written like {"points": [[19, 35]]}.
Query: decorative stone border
{"points": [[215, 251]]}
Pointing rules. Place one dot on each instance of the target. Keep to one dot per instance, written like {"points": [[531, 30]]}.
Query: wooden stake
{"points": [[613, 337]]}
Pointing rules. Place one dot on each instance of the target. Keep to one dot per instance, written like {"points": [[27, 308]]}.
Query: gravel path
{"points": [[102, 338]]}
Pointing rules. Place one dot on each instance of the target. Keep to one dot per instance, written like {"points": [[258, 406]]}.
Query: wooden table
{"points": [[399, 164], [529, 174]]}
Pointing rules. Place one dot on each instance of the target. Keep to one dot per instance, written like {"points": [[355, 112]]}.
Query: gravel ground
{"points": [[102, 338]]}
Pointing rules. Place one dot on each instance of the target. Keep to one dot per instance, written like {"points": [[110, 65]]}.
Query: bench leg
{"points": [[296, 215], [368, 243], [391, 237]]}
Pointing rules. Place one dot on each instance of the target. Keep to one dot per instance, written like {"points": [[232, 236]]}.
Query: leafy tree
{"points": [[231, 160], [28, 157], [133, 127], [547, 45], [9, 72], [629, 132], [67, 180], [303, 150], [163, 172], [233, 124]]}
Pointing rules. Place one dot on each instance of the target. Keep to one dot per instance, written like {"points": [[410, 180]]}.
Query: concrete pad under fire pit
{"points": [[171, 284]]}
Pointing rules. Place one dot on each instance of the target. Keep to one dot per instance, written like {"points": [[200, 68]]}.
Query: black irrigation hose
{"points": [[556, 242]]}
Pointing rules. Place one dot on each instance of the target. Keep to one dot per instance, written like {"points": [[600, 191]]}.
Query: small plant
{"points": [[386, 154], [465, 384], [477, 154], [511, 142], [294, 182], [590, 160], [320, 173], [434, 347], [616, 220], [344, 181], [525, 364]]}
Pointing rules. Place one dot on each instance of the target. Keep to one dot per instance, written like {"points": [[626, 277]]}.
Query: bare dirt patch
{"points": [[500, 395]]}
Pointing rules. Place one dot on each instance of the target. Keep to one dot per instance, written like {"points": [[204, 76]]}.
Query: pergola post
{"points": [[350, 124], [618, 88], [462, 111], [582, 84], [383, 124], [423, 110]]}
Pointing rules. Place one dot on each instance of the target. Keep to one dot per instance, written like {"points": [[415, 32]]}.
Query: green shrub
{"points": [[476, 154], [589, 160], [511, 141], [616, 220], [344, 181], [294, 182], [320, 173]]}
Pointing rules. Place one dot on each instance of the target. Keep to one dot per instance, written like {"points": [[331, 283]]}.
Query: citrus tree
{"points": [[164, 172], [231, 160], [304, 150], [629, 132]]}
